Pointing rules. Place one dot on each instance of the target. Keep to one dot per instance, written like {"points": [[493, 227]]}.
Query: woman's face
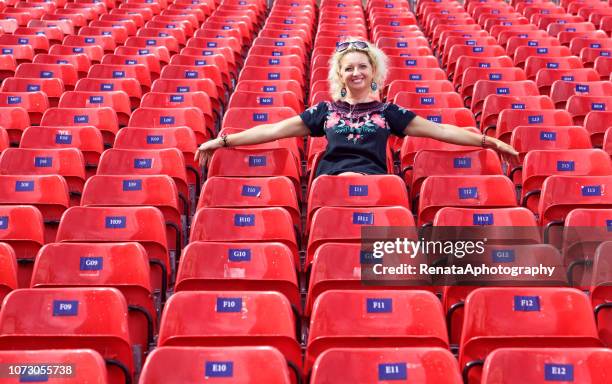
{"points": [[356, 71]]}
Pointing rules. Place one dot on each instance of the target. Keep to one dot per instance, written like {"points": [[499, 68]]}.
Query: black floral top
{"points": [[356, 134]]}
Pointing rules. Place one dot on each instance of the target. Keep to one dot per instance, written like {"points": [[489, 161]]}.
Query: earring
{"points": [[343, 92], [374, 86]]}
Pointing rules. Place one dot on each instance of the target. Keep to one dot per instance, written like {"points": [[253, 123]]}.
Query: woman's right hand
{"points": [[205, 151]]}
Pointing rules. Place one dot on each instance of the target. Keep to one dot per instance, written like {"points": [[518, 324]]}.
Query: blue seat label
{"points": [[535, 119], [468, 193], [115, 222], [598, 106], [428, 100], [24, 185], [96, 99], [558, 372], [91, 263], [462, 162], [143, 163], [503, 91], [107, 87], [518, 106], [155, 139], [251, 190], [379, 305], [260, 117], [269, 88], [526, 303], [548, 136], [565, 166], [257, 161], [132, 185], [239, 254], [229, 304], [219, 369], [591, 190], [435, 118], [244, 220], [80, 119], [43, 162], [166, 119], [367, 257], [177, 98], [482, 219], [118, 74], [65, 307], [4, 222], [503, 256], [392, 371], [495, 76], [363, 218], [358, 190]]}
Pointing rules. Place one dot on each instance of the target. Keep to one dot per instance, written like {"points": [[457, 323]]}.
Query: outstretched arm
{"points": [[291, 127], [421, 127]]}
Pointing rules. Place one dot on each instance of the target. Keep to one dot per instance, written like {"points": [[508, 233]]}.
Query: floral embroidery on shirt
{"points": [[355, 129]]}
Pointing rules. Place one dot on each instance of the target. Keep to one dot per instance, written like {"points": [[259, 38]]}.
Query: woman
{"points": [[357, 125]]}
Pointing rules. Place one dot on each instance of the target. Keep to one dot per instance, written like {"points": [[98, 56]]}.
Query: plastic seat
{"points": [[534, 64], [119, 101], [438, 162], [434, 86], [483, 88], [104, 119], [158, 191], [579, 106], [376, 319], [245, 118], [8, 270], [241, 99], [21, 53], [255, 163], [523, 53], [65, 72], [199, 100], [416, 74], [267, 86], [130, 86], [562, 194], [465, 50], [345, 224], [603, 66], [159, 52], [49, 193], [239, 364], [107, 43], [355, 191], [66, 162], [430, 100], [92, 368], [561, 90], [542, 365], [227, 319], [99, 314], [182, 85], [148, 60], [360, 365], [260, 267], [239, 225], [523, 317], [494, 191], [64, 265], [234, 192], [171, 117], [472, 75], [53, 87], [511, 118], [190, 72], [538, 165], [144, 225], [93, 52], [458, 287], [111, 71], [35, 103], [546, 77], [168, 161], [39, 43]]}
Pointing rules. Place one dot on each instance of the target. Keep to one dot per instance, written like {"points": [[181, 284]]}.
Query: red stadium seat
{"points": [[523, 53], [430, 100], [93, 52], [130, 86], [239, 364], [63, 265], [241, 99], [350, 365], [471, 75], [111, 71], [35, 103], [483, 88], [523, 317], [494, 104], [534, 64], [148, 60], [53, 88], [546, 77], [561, 90], [603, 66], [255, 163], [539, 164], [232, 319], [258, 267], [433, 86], [199, 100], [465, 162], [91, 365], [118, 101], [191, 117], [104, 119], [67, 162], [8, 270], [579, 106], [256, 192], [375, 319], [99, 314], [494, 191], [465, 50], [345, 224], [144, 225], [107, 43], [238, 225], [191, 72], [158, 191], [65, 72], [543, 365], [511, 118]]}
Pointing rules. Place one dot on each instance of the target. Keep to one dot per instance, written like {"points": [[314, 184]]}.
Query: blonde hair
{"points": [[378, 61]]}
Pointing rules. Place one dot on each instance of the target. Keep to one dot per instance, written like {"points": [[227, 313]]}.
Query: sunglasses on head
{"points": [[341, 47]]}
